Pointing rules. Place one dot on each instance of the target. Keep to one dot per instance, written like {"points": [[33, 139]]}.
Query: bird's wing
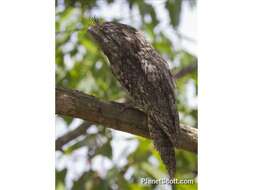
{"points": [[160, 78]]}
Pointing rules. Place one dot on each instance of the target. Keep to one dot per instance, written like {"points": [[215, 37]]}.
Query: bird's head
{"points": [[116, 39]]}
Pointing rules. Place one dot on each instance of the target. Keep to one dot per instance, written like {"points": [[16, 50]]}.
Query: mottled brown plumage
{"points": [[147, 78]]}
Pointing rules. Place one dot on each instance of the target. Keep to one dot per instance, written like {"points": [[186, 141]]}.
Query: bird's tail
{"points": [[163, 145]]}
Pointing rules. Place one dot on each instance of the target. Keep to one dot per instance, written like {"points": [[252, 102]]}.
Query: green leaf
{"points": [[89, 140], [60, 179], [105, 150], [174, 8]]}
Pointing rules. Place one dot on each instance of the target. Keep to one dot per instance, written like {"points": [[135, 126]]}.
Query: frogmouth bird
{"points": [[145, 75]]}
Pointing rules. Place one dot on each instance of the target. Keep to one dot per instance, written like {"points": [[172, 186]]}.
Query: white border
{"points": [[225, 94], [27, 95]]}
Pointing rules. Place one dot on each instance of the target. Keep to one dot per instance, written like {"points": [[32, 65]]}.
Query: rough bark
{"points": [[114, 115]]}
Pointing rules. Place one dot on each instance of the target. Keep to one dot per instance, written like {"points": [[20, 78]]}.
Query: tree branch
{"points": [[186, 70], [71, 135], [76, 104]]}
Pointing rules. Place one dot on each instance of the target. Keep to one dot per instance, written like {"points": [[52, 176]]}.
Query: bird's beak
{"points": [[93, 30]]}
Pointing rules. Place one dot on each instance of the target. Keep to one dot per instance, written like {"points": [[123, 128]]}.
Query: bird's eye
{"points": [[106, 28]]}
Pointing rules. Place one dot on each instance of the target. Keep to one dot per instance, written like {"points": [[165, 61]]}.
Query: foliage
{"points": [[81, 65]]}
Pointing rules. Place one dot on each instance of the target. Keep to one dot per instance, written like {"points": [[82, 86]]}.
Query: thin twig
{"points": [[71, 135], [186, 70]]}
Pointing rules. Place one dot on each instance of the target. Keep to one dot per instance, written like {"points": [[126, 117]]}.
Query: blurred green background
{"points": [[107, 159]]}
